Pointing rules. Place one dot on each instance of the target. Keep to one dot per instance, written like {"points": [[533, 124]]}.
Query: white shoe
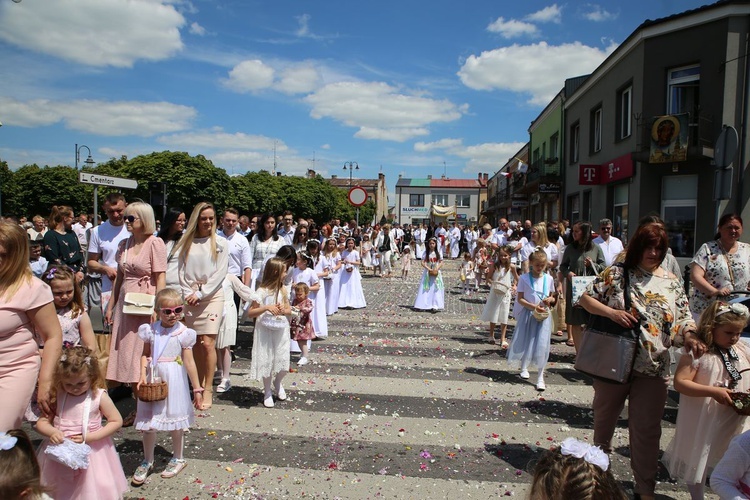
{"points": [[224, 386], [524, 374], [268, 401], [280, 393], [302, 361], [540, 385]]}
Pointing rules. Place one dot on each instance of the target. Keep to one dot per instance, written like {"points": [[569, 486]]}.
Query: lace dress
{"points": [[175, 412], [270, 343], [497, 307]]}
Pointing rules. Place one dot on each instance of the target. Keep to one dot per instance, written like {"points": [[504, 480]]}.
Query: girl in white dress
{"points": [[304, 272], [271, 336], [468, 276], [351, 293], [531, 338], [706, 420], [431, 291], [365, 252], [333, 284], [322, 269], [504, 279], [167, 354]]}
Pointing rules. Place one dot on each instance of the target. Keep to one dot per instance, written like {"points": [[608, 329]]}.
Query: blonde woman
{"points": [[202, 266], [141, 268], [25, 306], [539, 239]]}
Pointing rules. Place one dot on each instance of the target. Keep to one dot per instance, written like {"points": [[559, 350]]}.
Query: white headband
{"points": [[734, 307]]}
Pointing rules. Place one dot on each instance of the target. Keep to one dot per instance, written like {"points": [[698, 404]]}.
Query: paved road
{"points": [[395, 404]]}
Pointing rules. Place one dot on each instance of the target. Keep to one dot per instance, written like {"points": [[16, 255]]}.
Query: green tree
{"points": [[34, 190]]}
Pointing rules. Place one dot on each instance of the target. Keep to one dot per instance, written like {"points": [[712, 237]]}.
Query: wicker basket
{"points": [[741, 400], [433, 272], [156, 391]]}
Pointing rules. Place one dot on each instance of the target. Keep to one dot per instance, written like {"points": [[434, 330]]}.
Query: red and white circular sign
{"points": [[357, 196]]}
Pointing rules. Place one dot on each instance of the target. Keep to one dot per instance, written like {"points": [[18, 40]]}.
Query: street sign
{"points": [[726, 147], [105, 180], [357, 196]]}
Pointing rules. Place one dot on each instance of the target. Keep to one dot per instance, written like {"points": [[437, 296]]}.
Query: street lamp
{"points": [[351, 166], [89, 161]]}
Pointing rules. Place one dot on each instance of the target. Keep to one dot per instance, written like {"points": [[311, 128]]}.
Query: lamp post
{"points": [[89, 161], [351, 166]]}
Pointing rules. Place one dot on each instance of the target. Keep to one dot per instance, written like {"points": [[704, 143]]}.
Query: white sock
{"points": [[149, 442]]}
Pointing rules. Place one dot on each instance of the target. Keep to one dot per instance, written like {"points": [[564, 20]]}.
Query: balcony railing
{"points": [[543, 167]]}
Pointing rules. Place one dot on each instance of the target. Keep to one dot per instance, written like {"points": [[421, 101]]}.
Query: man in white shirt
{"points": [[286, 231], [80, 229], [102, 250], [500, 238], [244, 228], [240, 261], [610, 245]]}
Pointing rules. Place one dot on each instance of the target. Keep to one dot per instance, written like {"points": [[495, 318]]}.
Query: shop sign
{"points": [[519, 204], [550, 187], [588, 175], [618, 169], [415, 211]]}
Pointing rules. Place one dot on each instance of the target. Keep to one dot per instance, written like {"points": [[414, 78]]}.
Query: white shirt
{"points": [[81, 232], [611, 248], [733, 469], [287, 235], [239, 253], [200, 268], [105, 238], [500, 238], [550, 250]]}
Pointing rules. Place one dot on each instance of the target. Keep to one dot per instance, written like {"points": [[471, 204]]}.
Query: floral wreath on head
{"points": [[733, 307]]}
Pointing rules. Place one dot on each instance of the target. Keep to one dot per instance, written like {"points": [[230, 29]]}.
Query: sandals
{"points": [[558, 333], [570, 343], [506, 345], [208, 399], [129, 420], [141, 473], [174, 467], [493, 341]]}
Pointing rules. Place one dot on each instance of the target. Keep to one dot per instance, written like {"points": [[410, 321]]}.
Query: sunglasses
{"points": [[169, 310], [131, 218]]}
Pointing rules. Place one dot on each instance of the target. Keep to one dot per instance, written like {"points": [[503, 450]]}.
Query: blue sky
{"points": [[408, 86]]}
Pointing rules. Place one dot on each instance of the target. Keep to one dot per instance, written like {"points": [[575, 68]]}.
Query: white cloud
{"points": [[596, 13], [109, 118], [551, 14], [325, 146], [512, 28], [381, 111], [304, 25], [250, 76], [94, 32], [218, 139], [538, 69], [486, 157], [197, 29], [298, 79]]}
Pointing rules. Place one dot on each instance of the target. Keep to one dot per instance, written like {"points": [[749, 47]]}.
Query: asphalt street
{"points": [[394, 404]]}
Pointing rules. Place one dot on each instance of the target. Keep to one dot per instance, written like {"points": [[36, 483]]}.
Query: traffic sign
{"points": [[726, 147], [357, 196], [105, 180]]}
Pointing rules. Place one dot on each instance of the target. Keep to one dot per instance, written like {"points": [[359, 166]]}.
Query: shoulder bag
{"points": [[134, 303], [71, 454], [608, 350], [500, 286]]}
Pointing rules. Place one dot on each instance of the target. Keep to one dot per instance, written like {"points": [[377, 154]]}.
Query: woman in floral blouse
{"points": [[720, 266], [660, 311]]}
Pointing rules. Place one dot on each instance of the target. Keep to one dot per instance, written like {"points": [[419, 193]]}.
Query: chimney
{"points": [[334, 176], [381, 175], [479, 176], [486, 177], [399, 175], [310, 173], [429, 176]]}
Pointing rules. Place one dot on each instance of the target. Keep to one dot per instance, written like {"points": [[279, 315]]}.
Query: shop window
{"points": [[679, 201], [620, 213]]}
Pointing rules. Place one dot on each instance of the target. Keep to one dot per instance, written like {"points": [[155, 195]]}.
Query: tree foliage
{"points": [[33, 190]]}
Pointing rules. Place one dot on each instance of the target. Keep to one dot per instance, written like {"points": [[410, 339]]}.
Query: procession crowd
{"points": [[172, 294]]}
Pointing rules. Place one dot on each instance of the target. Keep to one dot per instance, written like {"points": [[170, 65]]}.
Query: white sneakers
{"points": [[540, 386], [524, 374], [224, 386], [268, 400], [302, 361]]}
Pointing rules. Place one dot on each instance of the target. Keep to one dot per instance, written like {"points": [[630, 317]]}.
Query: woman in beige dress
{"points": [[202, 266]]}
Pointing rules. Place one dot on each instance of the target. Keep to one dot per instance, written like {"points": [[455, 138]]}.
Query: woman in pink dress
{"points": [[25, 305], [141, 268]]}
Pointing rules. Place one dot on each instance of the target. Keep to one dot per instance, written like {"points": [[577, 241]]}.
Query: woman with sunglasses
{"points": [[141, 268]]}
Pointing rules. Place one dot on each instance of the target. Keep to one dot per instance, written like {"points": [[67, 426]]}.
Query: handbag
{"points": [[69, 453], [578, 285], [500, 287], [607, 350], [540, 315], [139, 304], [386, 244]]}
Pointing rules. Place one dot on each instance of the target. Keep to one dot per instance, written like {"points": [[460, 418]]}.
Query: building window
{"points": [[683, 91], [620, 212], [596, 130], [575, 140], [463, 200], [440, 199], [553, 153], [679, 195], [574, 207], [416, 200], [625, 113]]}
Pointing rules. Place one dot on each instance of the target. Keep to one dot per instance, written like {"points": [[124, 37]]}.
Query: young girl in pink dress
{"points": [[80, 387], [706, 420], [304, 272], [302, 325], [68, 299]]}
